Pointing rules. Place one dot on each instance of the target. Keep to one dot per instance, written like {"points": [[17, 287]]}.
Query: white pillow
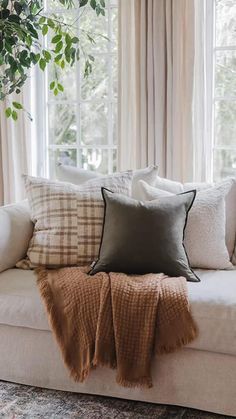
{"points": [[16, 232], [149, 175], [74, 175], [205, 230], [230, 201], [167, 185], [79, 176]]}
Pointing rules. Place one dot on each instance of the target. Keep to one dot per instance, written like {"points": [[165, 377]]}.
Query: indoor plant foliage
{"points": [[24, 26]]}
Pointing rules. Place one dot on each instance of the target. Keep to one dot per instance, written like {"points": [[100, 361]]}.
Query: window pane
{"points": [[97, 26], [62, 124], [114, 27], [96, 85], [115, 75], [225, 73], [114, 159], [94, 123], [224, 164], [114, 121], [68, 157], [94, 159], [225, 123], [225, 22]]}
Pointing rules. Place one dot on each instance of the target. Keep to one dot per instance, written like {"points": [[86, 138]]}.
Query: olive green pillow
{"points": [[145, 237]]}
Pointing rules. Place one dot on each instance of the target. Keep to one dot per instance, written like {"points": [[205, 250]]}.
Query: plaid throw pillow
{"points": [[68, 219]]}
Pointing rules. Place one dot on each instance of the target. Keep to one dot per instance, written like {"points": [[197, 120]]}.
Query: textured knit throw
{"points": [[116, 320]]}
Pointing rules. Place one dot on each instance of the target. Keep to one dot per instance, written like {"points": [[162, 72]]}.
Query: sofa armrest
{"points": [[16, 230]]}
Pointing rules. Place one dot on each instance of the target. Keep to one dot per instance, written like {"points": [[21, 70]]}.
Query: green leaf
{"points": [[68, 39], [47, 55], [91, 57], [42, 64], [28, 40], [4, 4], [32, 30], [51, 24], [75, 40], [17, 7], [34, 57], [59, 46], [8, 47], [17, 105], [62, 64], [57, 58], [55, 92], [42, 20], [83, 3], [60, 87], [103, 3], [45, 30], [8, 112], [93, 4], [14, 115], [14, 18], [56, 39], [52, 85]]}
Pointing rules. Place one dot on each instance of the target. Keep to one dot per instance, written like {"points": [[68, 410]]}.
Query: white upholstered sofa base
{"points": [[192, 378]]}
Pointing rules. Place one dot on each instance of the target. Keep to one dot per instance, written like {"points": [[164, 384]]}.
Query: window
{"points": [[78, 127], [224, 109]]}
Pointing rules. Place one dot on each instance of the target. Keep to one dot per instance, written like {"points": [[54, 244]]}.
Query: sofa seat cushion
{"points": [[213, 305], [212, 301]]}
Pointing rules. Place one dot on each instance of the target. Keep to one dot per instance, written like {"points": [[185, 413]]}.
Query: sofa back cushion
{"points": [[68, 219], [16, 232]]}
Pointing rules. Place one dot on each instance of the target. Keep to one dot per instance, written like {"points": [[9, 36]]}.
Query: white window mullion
{"points": [[110, 94]]}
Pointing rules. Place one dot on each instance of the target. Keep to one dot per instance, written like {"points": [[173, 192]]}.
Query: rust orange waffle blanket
{"points": [[116, 320]]}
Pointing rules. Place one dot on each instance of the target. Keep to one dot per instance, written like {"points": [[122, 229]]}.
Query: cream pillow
{"points": [[205, 230], [68, 219], [230, 208]]}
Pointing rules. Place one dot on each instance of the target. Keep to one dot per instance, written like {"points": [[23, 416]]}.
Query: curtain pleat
{"points": [[156, 68]]}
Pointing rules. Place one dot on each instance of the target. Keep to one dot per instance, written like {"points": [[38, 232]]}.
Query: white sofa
{"points": [[203, 375]]}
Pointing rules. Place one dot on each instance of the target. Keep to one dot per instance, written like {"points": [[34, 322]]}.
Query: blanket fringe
{"points": [[176, 334]]}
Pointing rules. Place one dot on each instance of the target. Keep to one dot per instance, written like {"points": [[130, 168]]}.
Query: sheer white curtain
{"points": [[156, 72], [15, 149]]}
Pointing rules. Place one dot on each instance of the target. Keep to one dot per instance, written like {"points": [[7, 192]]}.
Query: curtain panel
{"points": [[156, 85], [15, 149]]}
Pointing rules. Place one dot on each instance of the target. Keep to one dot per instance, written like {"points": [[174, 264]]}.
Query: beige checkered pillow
{"points": [[68, 219]]}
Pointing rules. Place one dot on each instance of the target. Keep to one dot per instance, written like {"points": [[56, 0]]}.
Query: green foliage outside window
{"points": [[23, 26]]}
